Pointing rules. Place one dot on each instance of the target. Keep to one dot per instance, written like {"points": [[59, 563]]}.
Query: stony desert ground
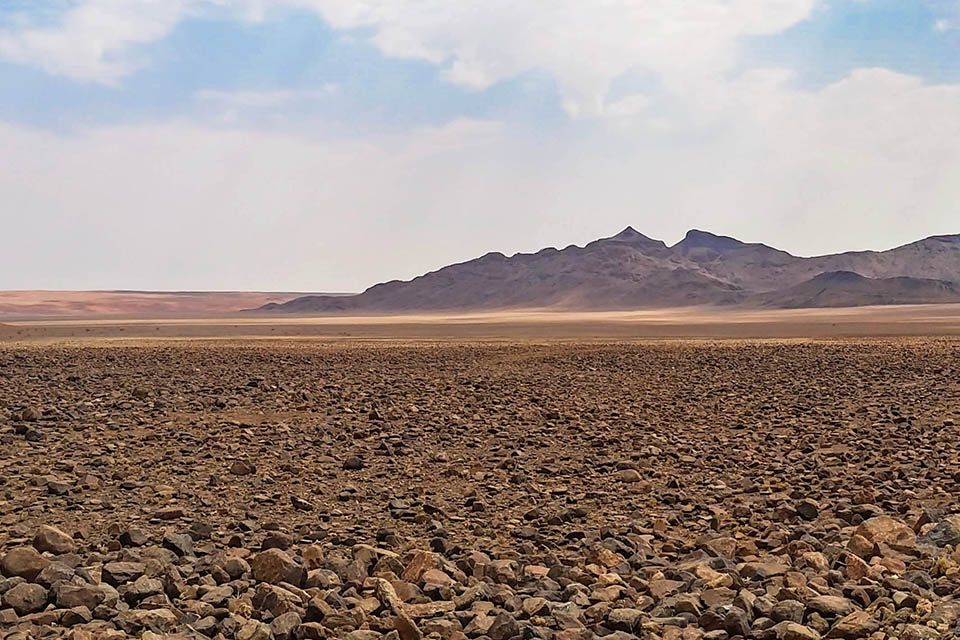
{"points": [[542, 489]]}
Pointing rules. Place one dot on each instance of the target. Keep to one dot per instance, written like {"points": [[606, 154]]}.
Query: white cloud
{"points": [[584, 45], [869, 162], [93, 40]]}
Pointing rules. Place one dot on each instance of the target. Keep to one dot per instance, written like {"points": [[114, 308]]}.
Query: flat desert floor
{"points": [[860, 322], [498, 477]]}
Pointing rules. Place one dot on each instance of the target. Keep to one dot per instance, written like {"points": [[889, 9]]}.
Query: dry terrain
{"points": [[688, 322], [461, 488], [32, 303]]}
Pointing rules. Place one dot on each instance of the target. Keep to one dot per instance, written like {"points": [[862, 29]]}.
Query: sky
{"points": [[323, 145]]}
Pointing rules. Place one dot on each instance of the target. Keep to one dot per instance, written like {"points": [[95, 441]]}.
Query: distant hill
{"points": [[849, 289], [55, 304], [630, 270]]}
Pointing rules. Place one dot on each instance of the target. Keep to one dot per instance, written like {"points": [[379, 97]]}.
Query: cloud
{"points": [[92, 40], [584, 45], [868, 162]]}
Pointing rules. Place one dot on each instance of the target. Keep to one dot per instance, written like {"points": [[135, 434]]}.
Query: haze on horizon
{"points": [[317, 145]]}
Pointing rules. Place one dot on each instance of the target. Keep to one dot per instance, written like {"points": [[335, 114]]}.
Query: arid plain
{"points": [[684, 475]]}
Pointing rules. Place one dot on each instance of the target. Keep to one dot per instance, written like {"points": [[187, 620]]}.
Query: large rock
{"points": [[53, 540], [26, 598], [69, 596], [831, 606], [135, 621], [859, 624], [118, 573], [886, 530], [23, 562], [944, 533], [275, 566]]}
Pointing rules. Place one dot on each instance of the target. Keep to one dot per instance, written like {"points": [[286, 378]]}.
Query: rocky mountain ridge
{"points": [[630, 270]]}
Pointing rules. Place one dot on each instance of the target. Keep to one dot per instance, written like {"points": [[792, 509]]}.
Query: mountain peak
{"points": [[634, 237], [707, 240]]}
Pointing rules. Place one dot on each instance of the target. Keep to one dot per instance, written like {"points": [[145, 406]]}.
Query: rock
{"points": [[140, 589], [503, 627], [242, 468], [275, 566], [831, 606], [762, 570], [624, 619], [23, 562], [309, 631], [118, 573], [479, 625], [76, 616], [736, 622], [69, 596], [283, 627], [794, 631], [254, 630], [31, 414], [886, 530], [919, 632], [53, 573], [300, 504], [856, 567], [135, 621], [859, 624], [353, 463], [403, 623], [808, 509], [945, 533], [26, 598], [180, 543], [53, 540], [279, 601], [170, 513], [133, 537]]}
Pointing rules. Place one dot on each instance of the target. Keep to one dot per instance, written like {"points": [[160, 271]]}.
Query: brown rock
{"points": [[275, 566], [855, 626], [24, 562], [26, 598], [53, 540], [69, 596], [884, 529]]}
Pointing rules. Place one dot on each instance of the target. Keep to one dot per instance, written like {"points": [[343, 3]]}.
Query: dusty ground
{"points": [[907, 320], [53, 304], [683, 490]]}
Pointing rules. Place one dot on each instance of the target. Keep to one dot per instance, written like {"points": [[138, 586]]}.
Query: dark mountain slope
{"points": [[630, 270], [848, 289]]}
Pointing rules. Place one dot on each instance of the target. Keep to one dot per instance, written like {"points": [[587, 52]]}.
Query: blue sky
{"points": [[296, 50], [506, 128]]}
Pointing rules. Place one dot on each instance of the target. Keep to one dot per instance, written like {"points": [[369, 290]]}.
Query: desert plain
{"points": [[683, 475]]}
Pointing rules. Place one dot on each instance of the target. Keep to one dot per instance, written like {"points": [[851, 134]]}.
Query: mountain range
{"points": [[630, 271]]}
